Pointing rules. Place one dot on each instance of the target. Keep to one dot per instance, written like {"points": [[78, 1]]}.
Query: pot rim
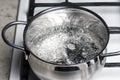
{"points": [[58, 8]]}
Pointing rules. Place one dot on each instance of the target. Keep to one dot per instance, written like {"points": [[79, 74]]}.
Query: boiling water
{"points": [[65, 46], [66, 36]]}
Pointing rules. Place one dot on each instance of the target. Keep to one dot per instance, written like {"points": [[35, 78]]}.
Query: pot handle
{"points": [[4, 33], [113, 30]]}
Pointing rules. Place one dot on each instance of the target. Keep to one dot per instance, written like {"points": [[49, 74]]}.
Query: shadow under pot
{"points": [[64, 43]]}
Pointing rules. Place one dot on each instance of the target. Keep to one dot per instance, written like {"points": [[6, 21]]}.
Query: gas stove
{"points": [[109, 10]]}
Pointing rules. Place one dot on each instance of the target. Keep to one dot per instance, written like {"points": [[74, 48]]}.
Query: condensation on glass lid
{"points": [[71, 38]]}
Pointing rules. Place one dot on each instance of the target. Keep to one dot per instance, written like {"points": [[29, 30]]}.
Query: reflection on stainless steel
{"points": [[66, 36], [85, 72]]}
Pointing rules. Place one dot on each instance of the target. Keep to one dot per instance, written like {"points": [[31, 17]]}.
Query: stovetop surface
{"points": [[111, 15]]}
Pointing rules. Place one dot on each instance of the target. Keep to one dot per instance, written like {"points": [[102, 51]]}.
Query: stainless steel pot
{"points": [[61, 27]]}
